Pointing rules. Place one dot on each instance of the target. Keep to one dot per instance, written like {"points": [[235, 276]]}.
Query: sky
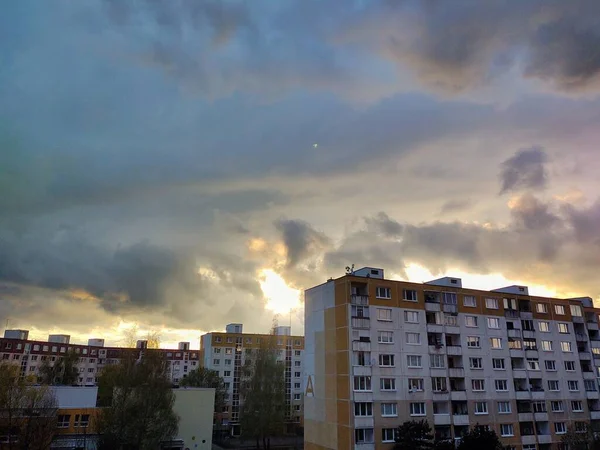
{"points": [[180, 165]]}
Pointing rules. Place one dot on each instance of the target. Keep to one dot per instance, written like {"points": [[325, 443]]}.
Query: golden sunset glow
{"points": [[281, 298]]}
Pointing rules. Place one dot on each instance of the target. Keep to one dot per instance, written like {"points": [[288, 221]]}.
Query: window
{"points": [[363, 409], [481, 408], [216, 362], [229, 351], [559, 309], [361, 358], [363, 435], [580, 427], [417, 409], [498, 363], [475, 363], [413, 338], [215, 350], [383, 292], [451, 320], [553, 385], [449, 298], [515, 344], [478, 385], [64, 420], [530, 344], [297, 363], [506, 429], [510, 304], [563, 328], [385, 337], [533, 364], [557, 406], [437, 361], [501, 385], [550, 365], [438, 384], [547, 346], [570, 366], [576, 310], [388, 435], [227, 373], [473, 342], [387, 384], [539, 407], [386, 360], [389, 410], [228, 362], [297, 374], [409, 295], [415, 384], [491, 303], [527, 325], [577, 406], [296, 385], [413, 361], [560, 428], [565, 346], [362, 383], [573, 385], [541, 308], [471, 321], [493, 323], [469, 300], [504, 408], [590, 385], [544, 327], [82, 421], [297, 352], [496, 343], [384, 314], [411, 316]]}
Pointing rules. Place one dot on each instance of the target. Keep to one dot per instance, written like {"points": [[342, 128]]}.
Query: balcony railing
{"points": [[358, 299], [361, 322]]}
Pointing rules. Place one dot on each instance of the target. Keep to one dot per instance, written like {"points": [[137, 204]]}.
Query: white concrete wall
{"points": [[195, 407]]}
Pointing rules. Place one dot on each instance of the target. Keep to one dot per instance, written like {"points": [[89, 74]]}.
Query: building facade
{"points": [[16, 348], [380, 352], [228, 352]]}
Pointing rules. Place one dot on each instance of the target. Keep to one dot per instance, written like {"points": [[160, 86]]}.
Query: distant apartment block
{"points": [[379, 352], [230, 351]]}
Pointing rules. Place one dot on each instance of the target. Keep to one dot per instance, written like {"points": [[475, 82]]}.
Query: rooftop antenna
{"points": [[350, 270]]}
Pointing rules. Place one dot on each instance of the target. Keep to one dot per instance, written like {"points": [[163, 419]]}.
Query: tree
{"points": [[480, 437], [584, 439], [27, 412], [414, 435], [139, 403], [132, 335], [446, 444], [263, 391], [207, 378], [62, 372]]}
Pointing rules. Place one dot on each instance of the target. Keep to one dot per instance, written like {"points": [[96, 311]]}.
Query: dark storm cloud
{"points": [[301, 240], [525, 170], [455, 205], [532, 214], [381, 223]]}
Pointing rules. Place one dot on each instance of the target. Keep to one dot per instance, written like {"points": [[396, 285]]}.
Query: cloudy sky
{"points": [[184, 164]]}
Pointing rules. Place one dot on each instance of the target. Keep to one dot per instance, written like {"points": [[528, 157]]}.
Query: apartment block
{"points": [[379, 352], [230, 351], [16, 348]]}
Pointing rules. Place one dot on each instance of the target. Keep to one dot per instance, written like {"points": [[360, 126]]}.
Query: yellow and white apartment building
{"points": [[379, 352]]}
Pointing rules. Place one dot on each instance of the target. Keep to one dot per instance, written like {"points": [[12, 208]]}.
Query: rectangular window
{"points": [[576, 310], [383, 292], [449, 298], [227, 373], [413, 338], [388, 435], [506, 429], [541, 308], [451, 320], [581, 427], [553, 385], [362, 383], [496, 343], [411, 316], [493, 323], [559, 309], [64, 420], [384, 314], [385, 337], [413, 361], [563, 328], [417, 409], [297, 396], [473, 342], [481, 408], [216, 362], [501, 385], [363, 409], [570, 366], [387, 384], [215, 350], [363, 435], [550, 365], [573, 385], [533, 364], [478, 385], [389, 410], [491, 303], [510, 304], [557, 406], [504, 408], [437, 361], [476, 363], [409, 295], [565, 346], [386, 360], [297, 374], [515, 344], [577, 406], [544, 327], [527, 325], [590, 385], [498, 364], [438, 384], [471, 321], [539, 407], [415, 385], [530, 344], [469, 300], [560, 428], [547, 346]]}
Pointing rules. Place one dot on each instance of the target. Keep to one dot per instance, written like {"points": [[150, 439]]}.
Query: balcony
{"points": [[595, 415], [592, 325], [460, 419], [528, 439], [537, 395], [362, 370], [577, 319], [544, 438], [363, 422], [592, 395], [441, 396], [585, 355], [359, 346], [458, 395], [432, 307], [452, 329], [516, 353], [436, 349], [441, 419], [456, 372], [528, 334], [511, 314], [541, 416], [526, 315], [523, 395], [514, 333], [453, 309], [525, 417], [435, 328], [454, 350], [358, 299], [361, 322], [581, 337]]}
